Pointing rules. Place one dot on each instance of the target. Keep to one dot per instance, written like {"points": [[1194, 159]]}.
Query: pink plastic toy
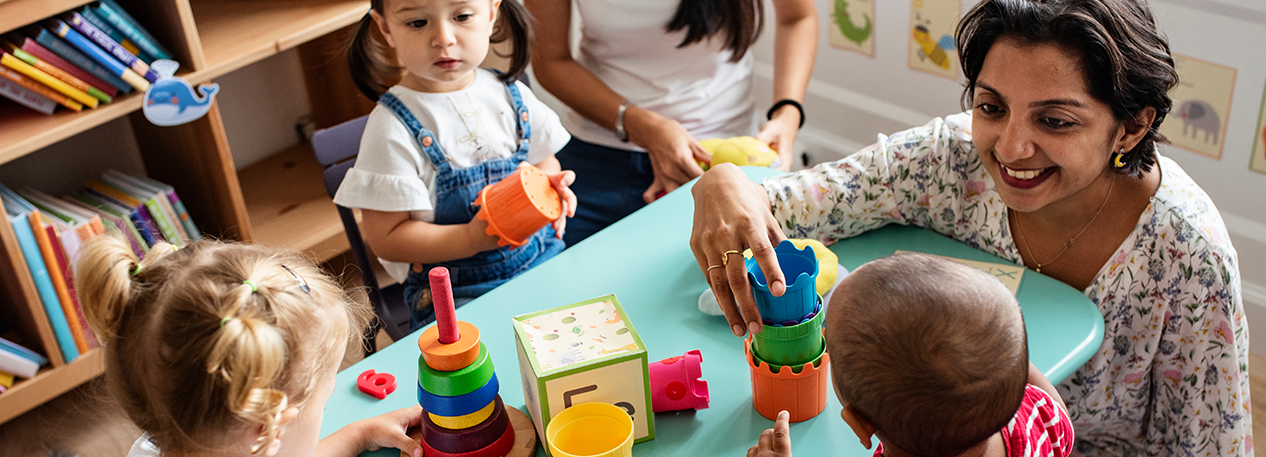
{"points": [[675, 383], [376, 385], [442, 299]]}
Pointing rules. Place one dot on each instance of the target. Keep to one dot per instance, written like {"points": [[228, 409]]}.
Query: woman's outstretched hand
{"points": [[732, 214], [674, 154]]}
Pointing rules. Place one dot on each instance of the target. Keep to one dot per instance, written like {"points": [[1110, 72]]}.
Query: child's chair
{"points": [[336, 148]]}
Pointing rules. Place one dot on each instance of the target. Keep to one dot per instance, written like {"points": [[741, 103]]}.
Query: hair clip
{"points": [[303, 285], [254, 288], [225, 321], [137, 270]]}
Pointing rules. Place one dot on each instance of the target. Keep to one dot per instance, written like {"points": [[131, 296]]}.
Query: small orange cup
{"points": [[519, 205], [802, 395]]}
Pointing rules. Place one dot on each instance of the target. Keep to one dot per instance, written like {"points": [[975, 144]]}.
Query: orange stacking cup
{"points": [[519, 205], [802, 395]]}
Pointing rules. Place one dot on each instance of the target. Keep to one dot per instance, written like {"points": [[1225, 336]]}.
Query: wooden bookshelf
{"points": [[49, 383], [280, 201], [288, 206], [236, 33]]}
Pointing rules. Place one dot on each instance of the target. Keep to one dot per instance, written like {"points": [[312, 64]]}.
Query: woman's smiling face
{"points": [[1040, 134]]}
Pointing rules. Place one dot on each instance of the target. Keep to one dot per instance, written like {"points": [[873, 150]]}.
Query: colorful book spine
{"points": [[46, 245], [107, 61], [62, 249], [40, 52], [6, 381], [183, 214], [49, 57], [114, 34], [136, 212], [80, 96], [26, 97], [62, 75], [120, 220], [95, 34], [18, 366], [21, 79], [132, 29], [68, 52], [17, 349], [44, 286]]}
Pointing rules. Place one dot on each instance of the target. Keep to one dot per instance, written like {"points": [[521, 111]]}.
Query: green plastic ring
{"points": [[460, 382]]}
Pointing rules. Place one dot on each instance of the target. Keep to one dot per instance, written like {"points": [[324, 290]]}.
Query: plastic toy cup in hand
{"points": [[519, 205], [591, 430], [800, 268]]}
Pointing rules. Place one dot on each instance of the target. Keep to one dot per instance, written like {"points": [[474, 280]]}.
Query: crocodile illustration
{"points": [[851, 31], [172, 101]]}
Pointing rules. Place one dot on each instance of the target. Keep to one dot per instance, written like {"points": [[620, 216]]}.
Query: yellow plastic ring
{"points": [[464, 422]]}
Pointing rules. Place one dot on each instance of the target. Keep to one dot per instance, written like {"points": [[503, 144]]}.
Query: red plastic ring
{"points": [[498, 448]]}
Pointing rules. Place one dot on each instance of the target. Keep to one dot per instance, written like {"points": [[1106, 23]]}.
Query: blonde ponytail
{"points": [[248, 354], [104, 281]]}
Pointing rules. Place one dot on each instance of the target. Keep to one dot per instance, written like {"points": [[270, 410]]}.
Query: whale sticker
{"points": [[172, 101]]}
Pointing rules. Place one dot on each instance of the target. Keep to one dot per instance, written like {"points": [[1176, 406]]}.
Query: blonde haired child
{"points": [[442, 133], [226, 349]]}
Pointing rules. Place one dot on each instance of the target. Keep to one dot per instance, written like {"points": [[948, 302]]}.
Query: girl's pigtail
{"points": [[249, 354], [369, 60], [106, 278], [514, 22]]}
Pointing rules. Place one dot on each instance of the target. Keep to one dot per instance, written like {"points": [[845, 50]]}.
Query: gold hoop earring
{"points": [[1116, 158]]}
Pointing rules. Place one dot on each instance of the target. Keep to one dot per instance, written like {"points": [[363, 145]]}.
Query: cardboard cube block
{"points": [[584, 352]]}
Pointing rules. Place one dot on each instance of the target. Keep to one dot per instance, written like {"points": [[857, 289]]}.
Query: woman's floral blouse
{"points": [[1171, 377]]}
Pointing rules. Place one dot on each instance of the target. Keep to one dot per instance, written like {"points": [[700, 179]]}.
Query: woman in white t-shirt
{"points": [[653, 77]]}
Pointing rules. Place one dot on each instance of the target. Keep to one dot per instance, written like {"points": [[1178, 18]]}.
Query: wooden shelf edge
{"points": [[50, 383], [18, 14]]}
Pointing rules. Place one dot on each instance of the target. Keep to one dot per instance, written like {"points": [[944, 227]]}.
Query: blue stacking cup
{"points": [[800, 267]]}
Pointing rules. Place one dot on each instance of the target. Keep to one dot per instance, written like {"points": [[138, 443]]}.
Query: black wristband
{"points": [[786, 101]]}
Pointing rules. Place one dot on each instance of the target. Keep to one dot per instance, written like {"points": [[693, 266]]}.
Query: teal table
{"points": [[645, 260]]}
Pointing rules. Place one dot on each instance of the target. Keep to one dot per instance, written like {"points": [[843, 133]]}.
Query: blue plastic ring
{"points": [[460, 405]]}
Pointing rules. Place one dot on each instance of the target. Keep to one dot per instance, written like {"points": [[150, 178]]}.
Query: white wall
{"points": [[853, 97]]}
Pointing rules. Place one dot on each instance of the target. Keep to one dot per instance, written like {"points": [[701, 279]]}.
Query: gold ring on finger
{"points": [[725, 258], [711, 267]]}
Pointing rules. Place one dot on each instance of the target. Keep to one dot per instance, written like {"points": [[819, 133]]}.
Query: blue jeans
{"points": [[609, 185]]}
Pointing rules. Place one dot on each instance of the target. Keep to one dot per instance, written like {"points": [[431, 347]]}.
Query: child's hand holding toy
{"points": [[774, 442], [561, 181]]}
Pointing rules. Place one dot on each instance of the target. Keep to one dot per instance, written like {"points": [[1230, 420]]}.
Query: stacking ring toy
{"points": [[498, 448], [460, 405], [454, 356], [477, 437], [460, 382], [466, 421]]}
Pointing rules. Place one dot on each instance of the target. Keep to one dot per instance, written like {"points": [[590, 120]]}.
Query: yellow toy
{"points": [[828, 262], [739, 150]]}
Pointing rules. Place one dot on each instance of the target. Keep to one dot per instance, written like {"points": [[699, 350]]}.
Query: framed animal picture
{"points": [[1202, 104]]}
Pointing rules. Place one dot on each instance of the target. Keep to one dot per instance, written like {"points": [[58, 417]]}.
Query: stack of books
{"points": [[51, 231], [80, 59]]}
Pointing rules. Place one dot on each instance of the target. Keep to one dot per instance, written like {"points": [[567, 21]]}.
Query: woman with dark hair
{"points": [[1054, 167], [653, 77]]}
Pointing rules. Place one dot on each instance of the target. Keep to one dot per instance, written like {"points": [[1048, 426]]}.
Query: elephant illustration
{"points": [[172, 101], [1198, 115]]}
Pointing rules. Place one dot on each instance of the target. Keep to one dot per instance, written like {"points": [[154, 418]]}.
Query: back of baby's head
{"points": [[931, 352], [207, 344]]}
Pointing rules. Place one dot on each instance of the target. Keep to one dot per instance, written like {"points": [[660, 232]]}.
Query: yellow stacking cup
{"points": [[591, 430]]}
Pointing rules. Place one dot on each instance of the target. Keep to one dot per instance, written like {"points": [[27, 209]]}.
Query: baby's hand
{"points": [[774, 442], [389, 430], [561, 181]]}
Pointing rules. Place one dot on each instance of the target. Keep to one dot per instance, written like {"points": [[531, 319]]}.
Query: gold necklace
{"points": [[1072, 240]]}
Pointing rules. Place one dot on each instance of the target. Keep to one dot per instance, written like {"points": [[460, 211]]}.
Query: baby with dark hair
{"points": [[930, 357]]}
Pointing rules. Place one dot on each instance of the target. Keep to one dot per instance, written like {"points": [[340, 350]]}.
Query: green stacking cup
{"points": [[790, 345]]}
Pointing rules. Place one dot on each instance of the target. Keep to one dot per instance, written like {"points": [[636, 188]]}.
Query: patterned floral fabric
{"points": [[1171, 377]]}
